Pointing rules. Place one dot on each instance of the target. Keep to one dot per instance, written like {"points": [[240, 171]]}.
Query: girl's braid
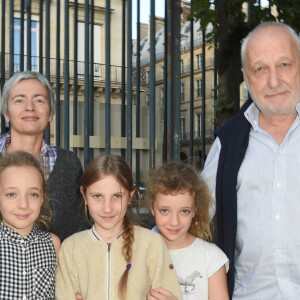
{"points": [[128, 237]]}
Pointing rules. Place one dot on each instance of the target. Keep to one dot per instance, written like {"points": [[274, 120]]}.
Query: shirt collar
{"points": [[15, 237], [45, 148], [6, 140], [252, 115], [94, 234]]}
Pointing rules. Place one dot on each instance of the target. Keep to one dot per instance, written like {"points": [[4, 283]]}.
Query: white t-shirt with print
{"points": [[194, 265]]}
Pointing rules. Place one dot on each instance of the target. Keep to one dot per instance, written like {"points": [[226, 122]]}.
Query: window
{"points": [[182, 92], [198, 125], [182, 128], [161, 76], [183, 44], [199, 37], [181, 67], [143, 76], [199, 61], [34, 44], [97, 50], [198, 88], [162, 94]]}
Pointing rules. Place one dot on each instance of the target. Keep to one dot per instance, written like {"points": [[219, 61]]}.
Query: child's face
{"points": [[107, 201], [173, 216], [21, 198]]}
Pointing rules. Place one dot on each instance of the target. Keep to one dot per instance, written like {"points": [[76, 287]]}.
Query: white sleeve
{"points": [[216, 259], [209, 172]]}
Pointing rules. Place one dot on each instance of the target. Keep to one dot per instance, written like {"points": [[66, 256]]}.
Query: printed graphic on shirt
{"points": [[188, 284]]}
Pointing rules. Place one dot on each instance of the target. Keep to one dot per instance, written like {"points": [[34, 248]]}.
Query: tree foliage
{"points": [[231, 21]]}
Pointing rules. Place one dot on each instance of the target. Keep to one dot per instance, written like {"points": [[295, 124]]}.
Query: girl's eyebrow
{"points": [[99, 192], [170, 206]]}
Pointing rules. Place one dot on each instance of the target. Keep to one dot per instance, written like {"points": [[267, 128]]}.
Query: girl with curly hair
{"points": [[179, 199]]}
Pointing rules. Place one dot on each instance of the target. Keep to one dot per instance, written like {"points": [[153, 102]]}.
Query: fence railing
{"points": [[98, 69], [65, 40], [185, 136]]}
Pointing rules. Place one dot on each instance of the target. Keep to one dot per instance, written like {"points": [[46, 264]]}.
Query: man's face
{"points": [[272, 71]]}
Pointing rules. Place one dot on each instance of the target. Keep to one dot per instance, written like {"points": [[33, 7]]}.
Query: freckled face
{"points": [[28, 108], [21, 198], [272, 71], [107, 201], [173, 216]]}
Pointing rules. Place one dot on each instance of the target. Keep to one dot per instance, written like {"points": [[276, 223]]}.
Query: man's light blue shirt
{"points": [[267, 256]]}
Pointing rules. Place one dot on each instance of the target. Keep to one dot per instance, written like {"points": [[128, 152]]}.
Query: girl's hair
{"points": [[25, 159], [113, 165], [173, 178]]}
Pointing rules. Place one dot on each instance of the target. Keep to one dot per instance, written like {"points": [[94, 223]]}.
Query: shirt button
{"points": [[277, 249], [278, 184], [277, 217], [283, 279], [23, 249]]}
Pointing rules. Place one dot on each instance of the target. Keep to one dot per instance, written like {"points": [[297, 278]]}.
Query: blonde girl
{"points": [[27, 254], [179, 200], [114, 259]]}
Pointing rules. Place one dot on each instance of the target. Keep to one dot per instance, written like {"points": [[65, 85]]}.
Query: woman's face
{"points": [[28, 108]]}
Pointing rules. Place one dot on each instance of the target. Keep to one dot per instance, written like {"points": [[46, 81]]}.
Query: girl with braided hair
{"points": [[114, 259]]}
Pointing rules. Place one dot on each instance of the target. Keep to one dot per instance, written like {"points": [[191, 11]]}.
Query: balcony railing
{"points": [[98, 69], [184, 136]]}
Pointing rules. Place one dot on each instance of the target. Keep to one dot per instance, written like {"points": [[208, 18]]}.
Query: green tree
{"points": [[231, 23]]}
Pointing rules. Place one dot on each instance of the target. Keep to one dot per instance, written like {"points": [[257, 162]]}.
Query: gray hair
{"points": [[246, 40], [16, 78]]}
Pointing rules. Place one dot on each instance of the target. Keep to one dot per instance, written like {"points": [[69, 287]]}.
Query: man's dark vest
{"points": [[234, 137]]}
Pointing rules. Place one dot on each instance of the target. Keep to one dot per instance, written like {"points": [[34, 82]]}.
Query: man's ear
{"points": [[83, 195], [244, 76]]}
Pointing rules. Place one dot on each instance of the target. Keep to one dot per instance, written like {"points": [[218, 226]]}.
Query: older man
{"points": [[253, 169]]}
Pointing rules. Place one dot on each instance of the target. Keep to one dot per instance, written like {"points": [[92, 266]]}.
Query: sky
{"points": [[159, 11], [145, 12]]}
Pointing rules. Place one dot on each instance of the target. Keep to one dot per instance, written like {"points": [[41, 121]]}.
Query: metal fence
{"points": [[46, 36]]}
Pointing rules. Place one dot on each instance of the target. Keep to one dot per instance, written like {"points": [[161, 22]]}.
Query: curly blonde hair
{"points": [[173, 178], [25, 159]]}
